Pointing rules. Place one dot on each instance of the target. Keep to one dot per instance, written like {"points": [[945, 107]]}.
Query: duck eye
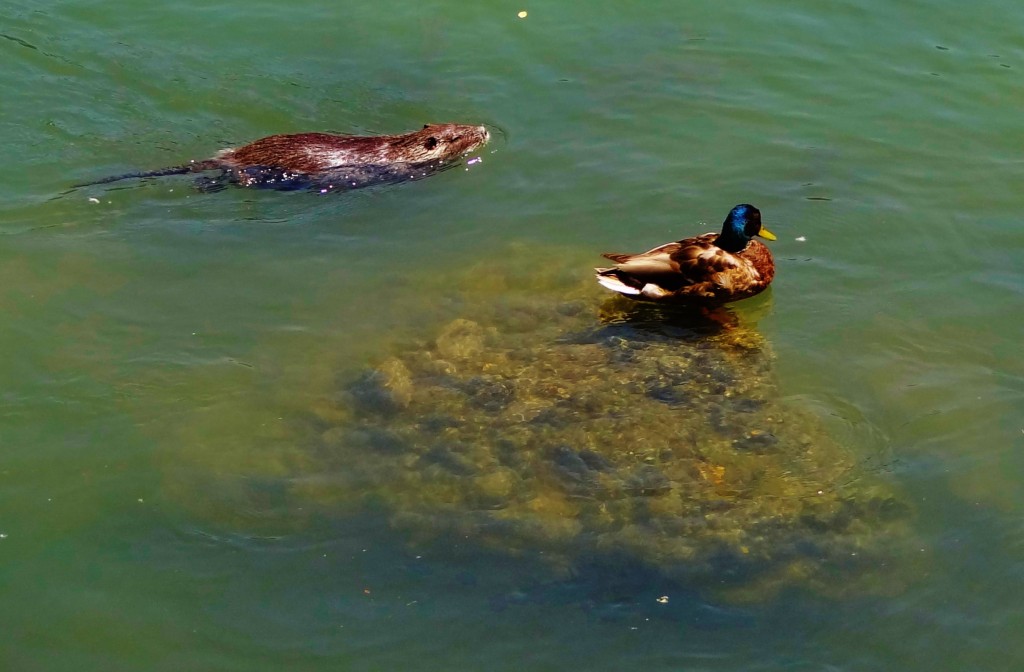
{"points": [[430, 143]]}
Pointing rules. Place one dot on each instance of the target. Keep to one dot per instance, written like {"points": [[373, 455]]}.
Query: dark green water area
{"points": [[404, 429]]}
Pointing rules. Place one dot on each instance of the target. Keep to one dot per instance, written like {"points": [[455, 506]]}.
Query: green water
{"points": [[158, 344]]}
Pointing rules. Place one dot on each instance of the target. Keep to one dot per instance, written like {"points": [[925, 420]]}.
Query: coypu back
{"points": [[311, 153], [331, 162]]}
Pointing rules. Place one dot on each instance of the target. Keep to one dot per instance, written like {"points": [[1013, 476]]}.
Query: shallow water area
{"points": [[402, 428], [583, 431]]}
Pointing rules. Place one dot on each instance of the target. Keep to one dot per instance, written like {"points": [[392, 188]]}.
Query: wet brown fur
{"points": [[310, 153], [329, 161]]}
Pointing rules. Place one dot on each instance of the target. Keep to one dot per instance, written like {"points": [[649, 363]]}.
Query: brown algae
{"points": [[541, 418], [580, 430]]}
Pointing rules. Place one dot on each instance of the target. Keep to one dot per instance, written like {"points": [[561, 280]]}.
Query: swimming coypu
{"points": [[329, 162]]}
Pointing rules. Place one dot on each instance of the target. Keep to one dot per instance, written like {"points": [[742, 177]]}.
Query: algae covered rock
{"points": [[535, 416], [581, 430], [386, 389]]}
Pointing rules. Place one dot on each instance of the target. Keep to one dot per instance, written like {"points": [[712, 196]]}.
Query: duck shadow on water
{"points": [[627, 320]]}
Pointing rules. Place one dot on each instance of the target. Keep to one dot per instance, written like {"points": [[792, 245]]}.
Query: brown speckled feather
{"points": [[692, 270]]}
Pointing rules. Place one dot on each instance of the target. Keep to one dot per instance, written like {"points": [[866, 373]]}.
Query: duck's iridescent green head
{"points": [[742, 224]]}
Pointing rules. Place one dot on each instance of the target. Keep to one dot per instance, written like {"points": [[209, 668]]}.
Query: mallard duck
{"points": [[710, 269]]}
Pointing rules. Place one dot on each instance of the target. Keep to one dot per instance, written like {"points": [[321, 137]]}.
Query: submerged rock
{"points": [[384, 390], [540, 418], [635, 435]]}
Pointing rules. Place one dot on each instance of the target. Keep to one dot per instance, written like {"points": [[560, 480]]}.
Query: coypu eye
{"points": [[430, 143], [426, 125]]}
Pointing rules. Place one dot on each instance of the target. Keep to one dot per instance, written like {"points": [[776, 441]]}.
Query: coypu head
{"points": [[439, 142]]}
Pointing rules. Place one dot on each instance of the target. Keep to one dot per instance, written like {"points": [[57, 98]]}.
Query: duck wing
{"points": [[694, 269], [672, 266]]}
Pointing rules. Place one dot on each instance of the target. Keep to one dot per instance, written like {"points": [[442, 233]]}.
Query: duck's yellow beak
{"points": [[766, 234]]}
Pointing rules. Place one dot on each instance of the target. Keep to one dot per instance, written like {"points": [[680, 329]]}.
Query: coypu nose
{"points": [[487, 134]]}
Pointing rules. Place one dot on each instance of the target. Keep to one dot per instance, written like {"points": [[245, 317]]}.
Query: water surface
{"points": [[160, 342]]}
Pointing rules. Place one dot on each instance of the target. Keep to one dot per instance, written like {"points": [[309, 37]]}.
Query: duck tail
{"points": [[616, 257], [610, 278]]}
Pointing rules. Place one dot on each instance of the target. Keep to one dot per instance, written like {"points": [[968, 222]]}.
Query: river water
{"points": [[175, 361]]}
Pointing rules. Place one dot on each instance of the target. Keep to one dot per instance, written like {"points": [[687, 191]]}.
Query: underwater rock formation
{"points": [[537, 417], [579, 430]]}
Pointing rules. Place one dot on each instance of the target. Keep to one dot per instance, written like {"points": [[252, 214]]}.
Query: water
{"points": [[160, 343]]}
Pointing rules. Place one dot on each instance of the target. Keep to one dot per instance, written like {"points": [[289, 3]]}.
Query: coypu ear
{"points": [[430, 143], [426, 125]]}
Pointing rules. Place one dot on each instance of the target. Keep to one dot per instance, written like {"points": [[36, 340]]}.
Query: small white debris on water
{"points": [[93, 199], [522, 14], [663, 599], [801, 239], [476, 159], [3, 535]]}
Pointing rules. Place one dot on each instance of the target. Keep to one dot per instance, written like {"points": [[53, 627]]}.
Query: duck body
{"points": [[710, 269]]}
